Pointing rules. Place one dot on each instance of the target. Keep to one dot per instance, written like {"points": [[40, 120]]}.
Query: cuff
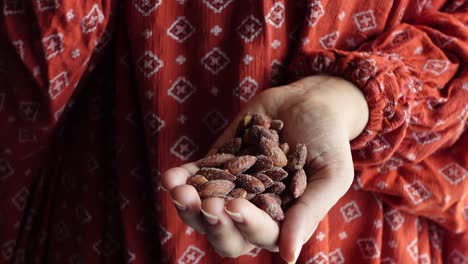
{"points": [[387, 84]]}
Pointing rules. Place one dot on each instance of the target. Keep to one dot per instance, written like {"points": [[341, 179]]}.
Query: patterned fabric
{"points": [[98, 97]]}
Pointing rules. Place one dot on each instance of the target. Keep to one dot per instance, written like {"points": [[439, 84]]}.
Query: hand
{"points": [[324, 113]]}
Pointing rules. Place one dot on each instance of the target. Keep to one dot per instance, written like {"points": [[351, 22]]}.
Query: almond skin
{"points": [[216, 188], [216, 174], [216, 160], [254, 133], [232, 146], [298, 183], [276, 125], [275, 173], [284, 147], [271, 150], [267, 181], [197, 181], [250, 183], [297, 158], [238, 193], [275, 196], [276, 188], [240, 164], [270, 206], [263, 163], [260, 120]]}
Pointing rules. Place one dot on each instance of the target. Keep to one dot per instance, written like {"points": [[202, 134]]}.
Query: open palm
{"points": [[313, 116]]}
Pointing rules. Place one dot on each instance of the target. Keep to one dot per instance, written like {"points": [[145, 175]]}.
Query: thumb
{"points": [[330, 175]]}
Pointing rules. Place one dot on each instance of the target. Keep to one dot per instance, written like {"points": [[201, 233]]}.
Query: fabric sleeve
{"points": [[415, 80]]}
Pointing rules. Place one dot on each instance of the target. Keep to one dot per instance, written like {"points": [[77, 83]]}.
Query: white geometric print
{"points": [[329, 41], [53, 45], [417, 192], [181, 89], [249, 28], [319, 258], [184, 148], [369, 248], [146, 7], [149, 64], [154, 123], [412, 249], [395, 219], [454, 173], [350, 211], [456, 257], [90, 22], [365, 21], [246, 89], [336, 257], [215, 60], [192, 255], [181, 29], [425, 137], [276, 15], [316, 11], [47, 4], [57, 84], [217, 5], [12, 7], [437, 67]]}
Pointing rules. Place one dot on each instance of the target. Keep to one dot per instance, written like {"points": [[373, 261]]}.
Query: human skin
{"points": [[323, 112]]}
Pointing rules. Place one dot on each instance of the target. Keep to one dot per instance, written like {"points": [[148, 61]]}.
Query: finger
{"points": [[188, 204], [324, 189], [254, 224], [177, 176], [221, 231]]}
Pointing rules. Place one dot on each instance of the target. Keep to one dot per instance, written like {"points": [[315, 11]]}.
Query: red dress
{"points": [[98, 97]]}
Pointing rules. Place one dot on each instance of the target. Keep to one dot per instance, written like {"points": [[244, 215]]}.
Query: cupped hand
{"points": [[324, 113]]}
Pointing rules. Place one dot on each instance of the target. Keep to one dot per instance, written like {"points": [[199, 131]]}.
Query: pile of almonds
{"points": [[255, 165]]}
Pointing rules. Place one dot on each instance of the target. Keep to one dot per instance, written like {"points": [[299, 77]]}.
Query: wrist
{"points": [[342, 98]]}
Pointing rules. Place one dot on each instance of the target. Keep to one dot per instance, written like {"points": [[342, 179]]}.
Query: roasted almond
{"points": [[216, 188], [269, 205], [250, 196], [271, 150], [216, 160], [260, 120], [254, 133], [275, 196], [276, 125], [197, 181], [284, 147], [216, 174], [275, 173], [267, 181], [298, 183], [276, 188], [232, 146], [238, 193], [250, 183], [297, 158], [263, 163], [240, 164]]}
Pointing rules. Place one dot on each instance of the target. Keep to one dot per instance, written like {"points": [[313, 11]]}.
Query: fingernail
{"points": [[178, 205], [211, 219], [162, 187], [235, 216]]}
